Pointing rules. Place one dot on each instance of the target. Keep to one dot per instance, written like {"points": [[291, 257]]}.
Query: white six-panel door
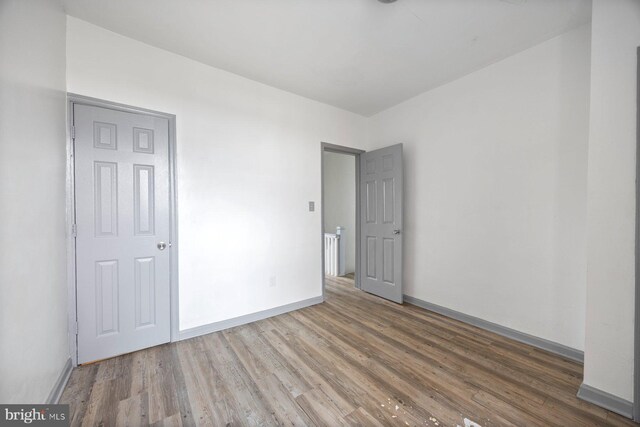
{"points": [[122, 245], [381, 203]]}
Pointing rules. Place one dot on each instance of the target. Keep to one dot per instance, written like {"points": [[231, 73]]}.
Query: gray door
{"points": [[122, 217], [381, 222]]}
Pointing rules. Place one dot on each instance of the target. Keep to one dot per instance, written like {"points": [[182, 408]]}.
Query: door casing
{"points": [[332, 148], [636, 341], [75, 99]]}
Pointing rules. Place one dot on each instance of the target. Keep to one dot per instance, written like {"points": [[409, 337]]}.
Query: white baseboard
{"points": [[247, 318]]}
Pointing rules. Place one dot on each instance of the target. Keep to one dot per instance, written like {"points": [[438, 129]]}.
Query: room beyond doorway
{"points": [[340, 213]]}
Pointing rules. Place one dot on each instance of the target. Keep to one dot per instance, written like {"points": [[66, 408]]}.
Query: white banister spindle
{"points": [[341, 253], [334, 253]]}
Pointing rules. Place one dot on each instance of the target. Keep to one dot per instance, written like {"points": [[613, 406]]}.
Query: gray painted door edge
{"points": [[72, 99], [636, 350]]}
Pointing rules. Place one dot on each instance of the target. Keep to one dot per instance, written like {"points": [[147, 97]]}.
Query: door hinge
{"points": [[75, 327], [74, 230], [73, 132]]}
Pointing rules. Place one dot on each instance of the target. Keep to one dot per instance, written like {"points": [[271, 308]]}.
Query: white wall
{"points": [[340, 200], [248, 163], [611, 202], [495, 185], [33, 292]]}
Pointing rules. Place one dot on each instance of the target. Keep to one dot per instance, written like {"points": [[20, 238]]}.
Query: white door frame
{"points": [[332, 148], [73, 99]]}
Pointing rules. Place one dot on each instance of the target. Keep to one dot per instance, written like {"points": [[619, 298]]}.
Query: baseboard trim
{"points": [[247, 318], [61, 382], [606, 400], [550, 346]]}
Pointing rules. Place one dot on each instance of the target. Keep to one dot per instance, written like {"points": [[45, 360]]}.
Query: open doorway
{"points": [[378, 208], [340, 216]]}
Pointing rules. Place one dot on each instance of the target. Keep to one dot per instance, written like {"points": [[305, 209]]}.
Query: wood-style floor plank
{"points": [[355, 360]]}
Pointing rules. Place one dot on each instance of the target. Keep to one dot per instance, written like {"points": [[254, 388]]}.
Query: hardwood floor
{"points": [[354, 360]]}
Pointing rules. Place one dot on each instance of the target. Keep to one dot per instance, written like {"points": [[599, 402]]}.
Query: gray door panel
{"points": [[381, 183], [122, 213]]}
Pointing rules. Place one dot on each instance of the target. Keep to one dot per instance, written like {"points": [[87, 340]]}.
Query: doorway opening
{"points": [[340, 216], [378, 207]]}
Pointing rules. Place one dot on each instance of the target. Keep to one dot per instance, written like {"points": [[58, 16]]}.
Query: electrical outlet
{"points": [[272, 281], [312, 206]]}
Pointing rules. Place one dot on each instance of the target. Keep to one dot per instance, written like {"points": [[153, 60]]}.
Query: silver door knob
{"points": [[396, 231], [162, 245]]}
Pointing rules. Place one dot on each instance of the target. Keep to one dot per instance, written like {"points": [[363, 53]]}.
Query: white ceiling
{"points": [[359, 55]]}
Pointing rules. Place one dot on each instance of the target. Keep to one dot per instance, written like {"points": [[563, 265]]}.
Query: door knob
{"points": [[162, 245], [396, 231]]}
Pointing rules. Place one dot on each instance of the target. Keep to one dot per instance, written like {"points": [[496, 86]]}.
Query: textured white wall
{"points": [[495, 189], [248, 163], [340, 200], [611, 206], [33, 290]]}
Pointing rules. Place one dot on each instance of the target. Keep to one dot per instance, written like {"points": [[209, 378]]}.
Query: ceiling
{"points": [[360, 55]]}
